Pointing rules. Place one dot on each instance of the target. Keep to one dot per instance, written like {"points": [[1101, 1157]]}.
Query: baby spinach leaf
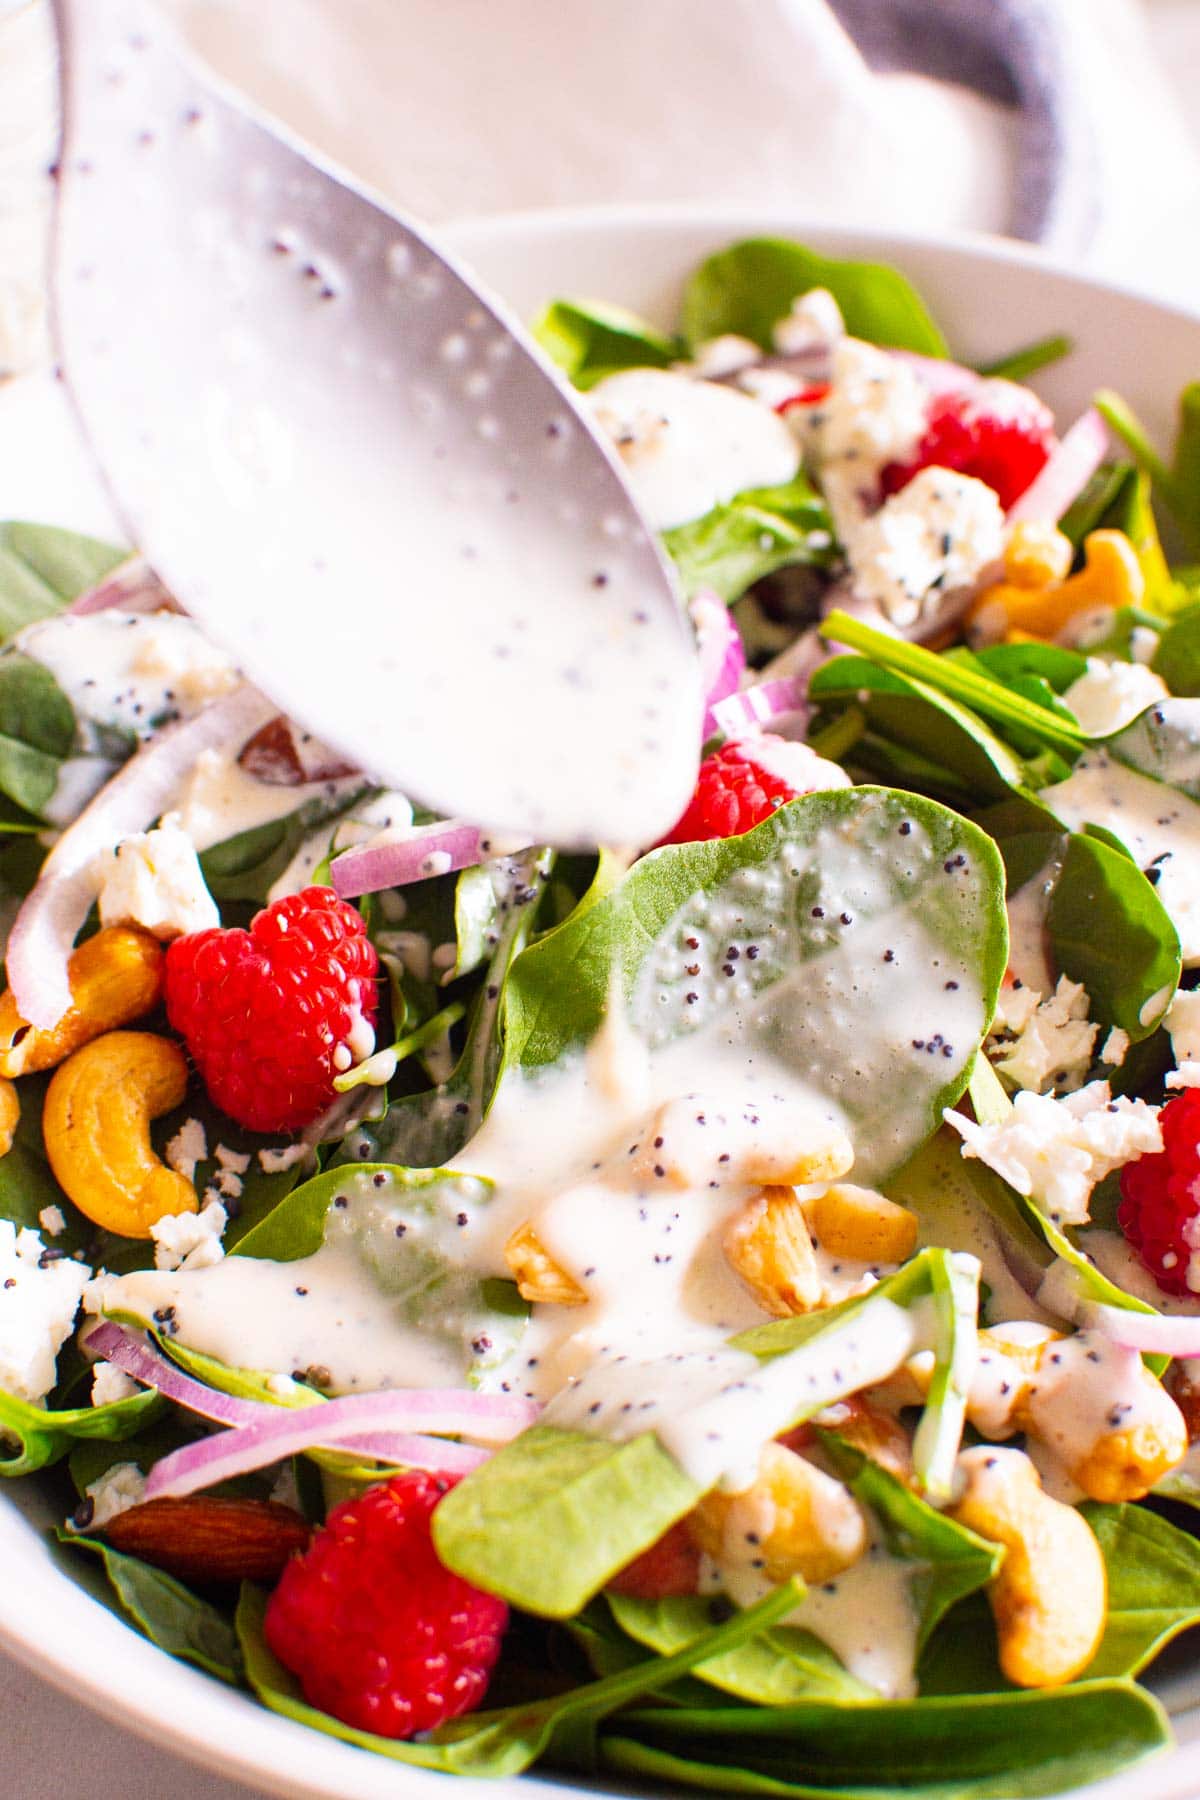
{"points": [[33, 1436], [949, 1561], [923, 721], [42, 569], [1110, 931], [959, 1747], [908, 875], [1052, 665], [166, 1611], [246, 866], [749, 287], [504, 1742], [758, 531], [1164, 743], [1019, 365], [590, 339], [1153, 1586], [778, 1666], [1177, 484], [1177, 658]]}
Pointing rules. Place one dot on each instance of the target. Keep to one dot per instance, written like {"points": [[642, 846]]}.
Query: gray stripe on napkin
{"points": [[1017, 52]]}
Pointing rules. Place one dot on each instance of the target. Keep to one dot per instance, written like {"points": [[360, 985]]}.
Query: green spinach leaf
{"points": [[749, 287], [590, 339], [1177, 658], [43, 568], [166, 1611], [781, 1665], [1019, 365], [758, 531], [33, 1436]]}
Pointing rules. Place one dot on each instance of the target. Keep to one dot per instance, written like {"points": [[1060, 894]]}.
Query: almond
{"points": [[211, 1539]]}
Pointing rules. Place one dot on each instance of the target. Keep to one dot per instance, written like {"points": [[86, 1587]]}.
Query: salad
{"points": [[723, 1313]]}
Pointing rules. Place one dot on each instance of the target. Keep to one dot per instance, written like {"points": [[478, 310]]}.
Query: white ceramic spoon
{"points": [[352, 466]]}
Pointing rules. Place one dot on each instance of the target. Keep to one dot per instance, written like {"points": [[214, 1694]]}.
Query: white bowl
{"points": [[990, 297]]}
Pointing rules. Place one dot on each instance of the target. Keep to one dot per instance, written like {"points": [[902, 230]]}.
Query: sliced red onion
{"points": [[938, 374], [132, 587], [1155, 1334], [147, 1365], [51, 916], [396, 858], [738, 714], [1062, 479], [722, 654]]}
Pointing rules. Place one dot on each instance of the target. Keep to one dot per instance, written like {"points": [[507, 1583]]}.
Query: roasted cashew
{"points": [[691, 1139], [861, 1225], [1022, 606], [793, 1520], [769, 1246], [1049, 1599], [878, 1434], [96, 1125], [115, 977], [1138, 1432], [538, 1277], [10, 1115]]}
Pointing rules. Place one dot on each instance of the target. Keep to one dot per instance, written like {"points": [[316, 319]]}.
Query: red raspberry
{"points": [[1160, 1207], [670, 1566], [998, 432], [263, 1011], [379, 1632], [736, 789]]}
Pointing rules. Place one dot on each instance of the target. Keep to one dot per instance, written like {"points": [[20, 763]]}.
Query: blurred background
{"points": [[1068, 122]]}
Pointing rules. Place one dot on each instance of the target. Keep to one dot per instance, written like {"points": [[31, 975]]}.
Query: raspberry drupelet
{"points": [[748, 779], [998, 432], [1160, 1205], [265, 1012], [378, 1631]]}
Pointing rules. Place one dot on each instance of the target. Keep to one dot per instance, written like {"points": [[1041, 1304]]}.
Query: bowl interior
{"points": [[990, 298]]}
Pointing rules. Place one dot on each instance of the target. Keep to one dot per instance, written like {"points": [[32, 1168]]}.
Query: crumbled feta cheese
{"points": [[1052, 1046], [188, 1147], [723, 355], [110, 1384], [1111, 694], [1015, 1005], [153, 879], [1055, 1151], [1115, 1048], [190, 1240], [115, 1492], [938, 533], [52, 1221], [236, 1160], [274, 1162], [814, 321], [1183, 1022], [875, 412], [40, 1291], [689, 446]]}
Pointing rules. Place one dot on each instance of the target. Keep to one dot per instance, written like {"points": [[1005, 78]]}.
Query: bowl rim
{"points": [[282, 1757]]}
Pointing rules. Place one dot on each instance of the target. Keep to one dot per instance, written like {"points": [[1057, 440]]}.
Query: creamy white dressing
{"points": [[690, 445], [220, 799], [1115, 1257], [130, 671], [1028, 938], [1159, 826]]}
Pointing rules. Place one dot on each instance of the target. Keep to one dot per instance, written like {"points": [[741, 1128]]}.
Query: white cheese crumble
{"points": [[274, 1162], [153, 879], [719, 356], [188, 1147], [689, 446], [1115, 1048], [1112, 694], [1052, 1045], [1055, 1151], [110, 1384], [40, 1291], [938, 533], [190, 1240], [115, 1492], [1183, 1023], [815, 320], [52, 1221]]}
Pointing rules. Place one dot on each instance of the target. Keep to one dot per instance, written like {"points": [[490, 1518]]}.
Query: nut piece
{"points": [[759, 1141], [1049, 1598], [769, 1246], [793, 1520], [537, 1275], [96, 1126], [1021, 606], [115, 977], [10, 1115], [878, 1434], [862, 1225], [207, 1538]]}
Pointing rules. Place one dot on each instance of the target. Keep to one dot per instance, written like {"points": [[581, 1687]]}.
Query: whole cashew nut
{"points": [[793, 1520], [115, 977], [96, 1125]]}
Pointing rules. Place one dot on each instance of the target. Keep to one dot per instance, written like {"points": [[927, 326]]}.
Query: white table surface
{"points": [[51, 1745]]}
